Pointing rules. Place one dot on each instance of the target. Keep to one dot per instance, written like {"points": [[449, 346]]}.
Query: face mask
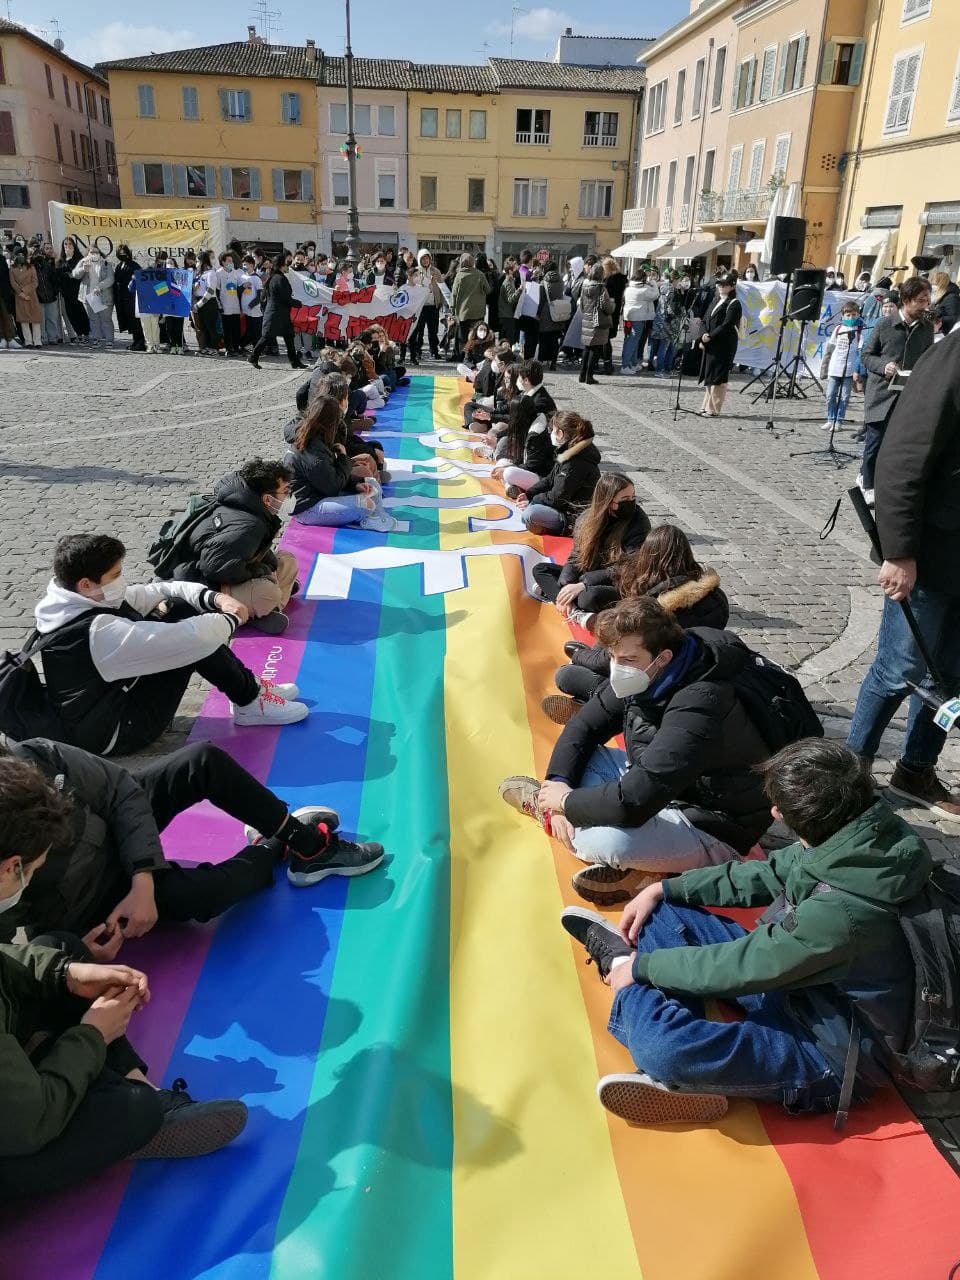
{"points": [[849, 321], [283, 510], [557, 439], [495, 365], [629, 682], [626, 507], [113, 593], [7, 904]]}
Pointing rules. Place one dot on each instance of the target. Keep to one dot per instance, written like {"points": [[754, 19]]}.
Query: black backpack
{"points": [[930, 1061], [775, 702], [172, 546], [25, 709]]}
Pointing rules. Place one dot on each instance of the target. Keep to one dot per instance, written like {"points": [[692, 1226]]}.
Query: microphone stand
{"points": [[681, 343], [839, 457]]}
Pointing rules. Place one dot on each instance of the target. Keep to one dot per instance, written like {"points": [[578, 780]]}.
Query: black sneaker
{"points": [[271, 624], [343, 858], [193, 1128], [596, 935], [573, 647]]}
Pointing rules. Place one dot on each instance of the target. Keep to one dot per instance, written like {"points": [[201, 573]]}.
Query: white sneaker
{"points": [[828, 426], [269, 709], [380, 524], [288, 691]]}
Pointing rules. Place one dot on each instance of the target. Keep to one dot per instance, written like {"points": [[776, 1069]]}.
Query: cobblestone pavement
{"points": [[115, 440]]}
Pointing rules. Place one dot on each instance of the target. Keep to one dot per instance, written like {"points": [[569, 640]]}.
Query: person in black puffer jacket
{"points": [[553, 504], [526, 442], [612, 527], [664, 568], [686, 792], [231, 550]]}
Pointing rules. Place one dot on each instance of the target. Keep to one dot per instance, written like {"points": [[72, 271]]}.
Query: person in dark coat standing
{"points": [[277, 321], [918, 516], [123, 298], [616, 285], [48, 293], [551, 331], [596, 308], [895, 345], [720, 345], [76, 313]]}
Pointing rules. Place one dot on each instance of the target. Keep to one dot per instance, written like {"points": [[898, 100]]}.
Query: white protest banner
{"points": [[340, 313], [762, 304], [528, 304]]}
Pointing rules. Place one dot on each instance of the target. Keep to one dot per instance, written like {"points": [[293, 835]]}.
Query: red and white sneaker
{"points": [[269, 708], [520, 793]]}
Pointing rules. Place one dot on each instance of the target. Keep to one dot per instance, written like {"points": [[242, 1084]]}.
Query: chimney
{"points": [[312, 50], [251, 34], [569, 31]]}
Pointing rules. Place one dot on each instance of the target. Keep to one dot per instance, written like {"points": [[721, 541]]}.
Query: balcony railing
{"points": [[734, 206], [534, 139], [684, 218], [641, 218], [666, 218], [599, 139]]}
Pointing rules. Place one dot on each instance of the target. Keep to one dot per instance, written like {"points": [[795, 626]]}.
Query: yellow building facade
{"points": [[232, 124], [901, 190]]}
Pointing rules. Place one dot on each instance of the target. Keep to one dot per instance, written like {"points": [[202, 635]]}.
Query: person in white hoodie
{"points": [[639, 308], [429, 320], [118, 657], [228, 284]]}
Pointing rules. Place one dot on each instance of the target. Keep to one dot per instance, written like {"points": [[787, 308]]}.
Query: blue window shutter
{"points": [[856, 62], [828, 62], [278, 184], [210, 180], [294, 107], [139, 182], [245, 111], [736, 86], [254, 184], [224, 104], [751, 78], [801, 63], [306, 184], [179, 179], [168, 180], [782, 73], [226, 182]]}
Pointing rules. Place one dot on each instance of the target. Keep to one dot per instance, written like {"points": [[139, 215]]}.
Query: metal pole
{"points": [[695, 193], [353, 234]]}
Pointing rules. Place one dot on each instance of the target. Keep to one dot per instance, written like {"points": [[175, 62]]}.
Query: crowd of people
{"points": [[717, 741]]}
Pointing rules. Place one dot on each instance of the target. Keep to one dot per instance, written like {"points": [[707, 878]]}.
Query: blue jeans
{"points": [[665, 356], [540, 518], [631, 347], [667, 842], [767, 1056], [838, 397], [898, 660]]}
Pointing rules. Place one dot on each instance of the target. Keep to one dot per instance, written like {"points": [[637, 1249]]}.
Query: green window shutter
{"points": [[179, 179], [168, 180], [254, 184], [278, 184], [751, 80], [245, 111], [306, 185], [828, 62], [224, 105], [226, 182], [782, 73], [801, 63], [139, 182], [736, 87], [856, 62]]}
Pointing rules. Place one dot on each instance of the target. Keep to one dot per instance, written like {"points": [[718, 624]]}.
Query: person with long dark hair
{"points": [[612, 526], [124, 301], [526, 442], [277, 321], [665, 568], [553, 503], [77, 319]]}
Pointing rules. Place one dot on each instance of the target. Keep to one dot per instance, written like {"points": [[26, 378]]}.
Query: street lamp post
{"points": [[353, 234]]}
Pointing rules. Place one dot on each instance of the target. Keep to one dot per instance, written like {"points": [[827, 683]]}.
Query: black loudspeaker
{"points": [[789, 237], [806, 301]]}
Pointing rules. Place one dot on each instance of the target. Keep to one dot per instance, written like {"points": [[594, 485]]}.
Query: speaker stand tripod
{"points": [[681, 343]]}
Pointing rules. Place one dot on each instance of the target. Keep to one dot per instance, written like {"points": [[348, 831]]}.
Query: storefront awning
{"points": [[641, 248], [864, 243], [685, 250], [754, 246]]}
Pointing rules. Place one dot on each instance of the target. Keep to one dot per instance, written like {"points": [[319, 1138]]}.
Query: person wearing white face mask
{"points": [[118, 657], [74, 1094], [684, 792], [231, 549], [553, 503], [96, 293]]}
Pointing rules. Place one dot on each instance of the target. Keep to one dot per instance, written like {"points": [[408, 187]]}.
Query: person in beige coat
{"points": [[23, 281]]}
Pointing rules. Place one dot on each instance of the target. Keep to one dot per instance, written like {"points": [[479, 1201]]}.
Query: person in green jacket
{"points": [[468, 299], [74, 1094], [827, 956]]}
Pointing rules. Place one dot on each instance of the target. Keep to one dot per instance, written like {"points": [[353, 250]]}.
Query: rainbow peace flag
{"points": [[419, 1047]]}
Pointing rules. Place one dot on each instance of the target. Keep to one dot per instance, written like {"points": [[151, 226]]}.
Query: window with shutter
{"points": [[277, 181], [338, 117], [7, 142], [191, 103], [254, 183], [751, 81], [903, 89], [719, 73], [167, 186], [226, 182], [828, 62], [340, 188], [49, 73], [57, 142], [696, 106], [681, 89], [756, 165], [953, 112], [801, 67], [733, 173], [767, 73], [306, 185], [737, 77], [386, 190], [73, 144], [782, 72], [139, 185], [179, 179], [856, 62], [290, 108], [781, 155], [145, 102], [914, 9]]}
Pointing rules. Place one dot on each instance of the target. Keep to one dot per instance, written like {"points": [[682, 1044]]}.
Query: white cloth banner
{"points": [[343, 313], [762, 304]]}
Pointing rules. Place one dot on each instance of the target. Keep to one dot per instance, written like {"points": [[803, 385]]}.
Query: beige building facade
{"points": [[901, 181], [56, 132]]}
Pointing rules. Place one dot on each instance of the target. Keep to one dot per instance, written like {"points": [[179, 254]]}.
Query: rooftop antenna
{"points": [[57, 31], [513, 22], [268, 20]]}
